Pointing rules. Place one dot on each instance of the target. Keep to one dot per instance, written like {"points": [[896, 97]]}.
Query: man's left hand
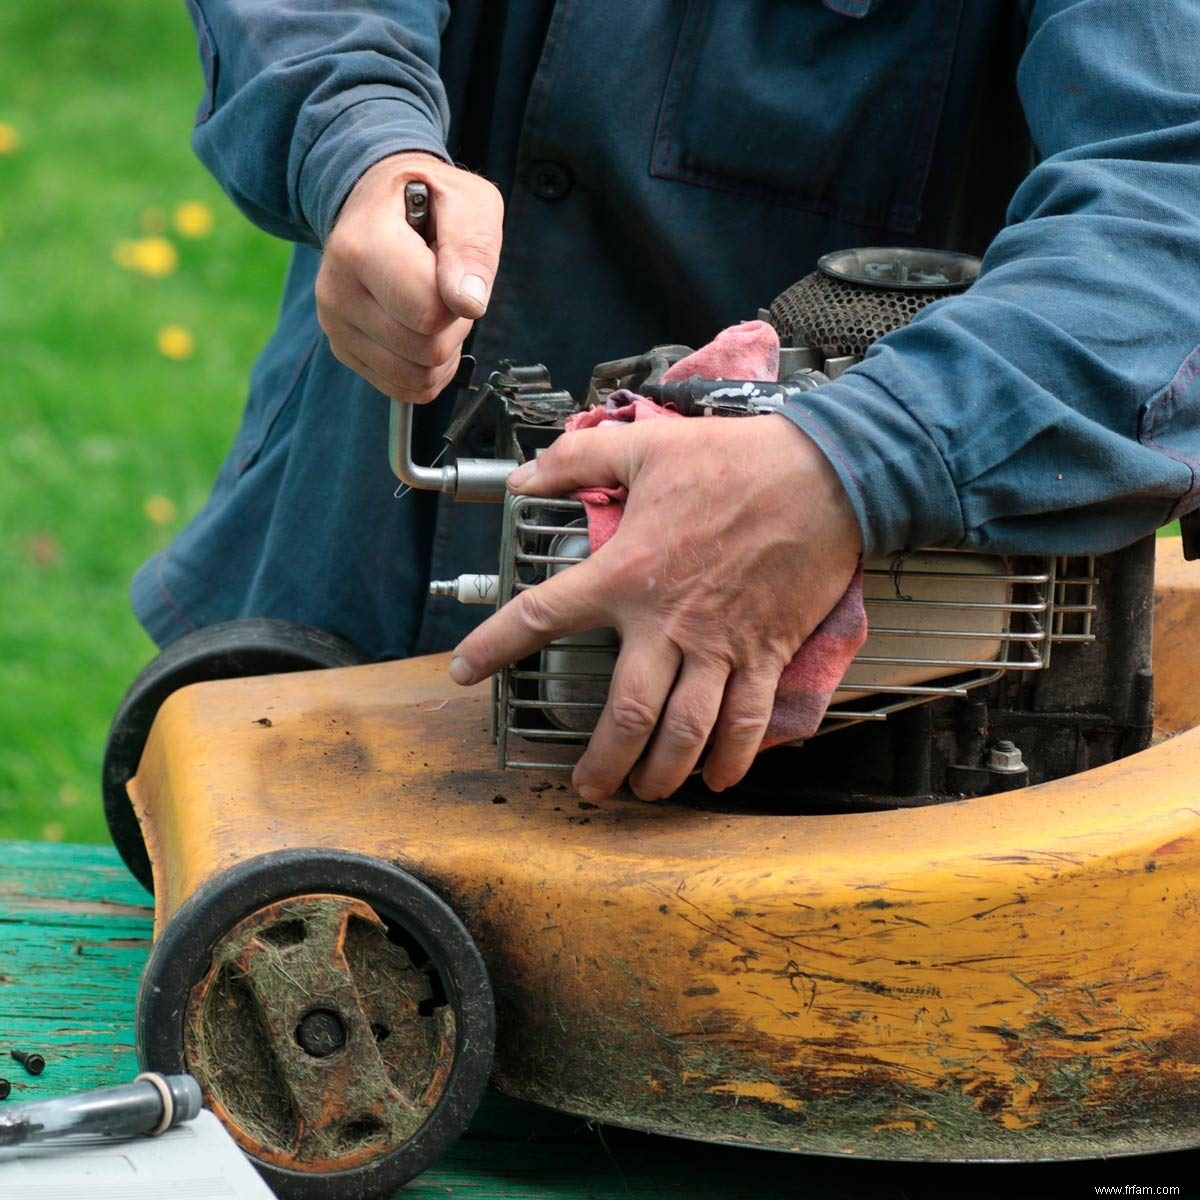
{"points": [[737, 540]]}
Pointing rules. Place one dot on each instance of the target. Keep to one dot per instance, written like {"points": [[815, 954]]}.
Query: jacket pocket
{"points": [[208, 61], [792, 102]]}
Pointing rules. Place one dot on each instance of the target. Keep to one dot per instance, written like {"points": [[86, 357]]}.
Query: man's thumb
{"points": [[469, 233]]}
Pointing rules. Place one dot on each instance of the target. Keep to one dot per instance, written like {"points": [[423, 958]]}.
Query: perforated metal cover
{"points": [[839, 319], [942, 622]]}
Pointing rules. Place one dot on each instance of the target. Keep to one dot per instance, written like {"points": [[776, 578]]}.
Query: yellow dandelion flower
{"points": [[193, 219], [153, 220], [153, 256], [156, 257], [68, 795], [10, 139], [175, 342], [159, 509], [53, 831]]}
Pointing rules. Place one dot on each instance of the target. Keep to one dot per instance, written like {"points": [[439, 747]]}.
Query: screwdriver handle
{"points": [[151, 1104]]}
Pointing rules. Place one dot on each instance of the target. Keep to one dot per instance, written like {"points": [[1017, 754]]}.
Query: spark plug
{"points": [[468, 589]]}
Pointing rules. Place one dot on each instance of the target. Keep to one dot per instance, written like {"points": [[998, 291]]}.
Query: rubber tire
{"points": [[181, 956], [230, 650]]}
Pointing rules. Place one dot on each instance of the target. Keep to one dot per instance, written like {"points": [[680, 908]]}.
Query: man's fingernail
{"points": [[472, 287], [460, 670], [592, 795], [523, 474]]}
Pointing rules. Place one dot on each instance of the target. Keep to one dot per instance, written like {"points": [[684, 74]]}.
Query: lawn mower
{"points": [[958, 923]]}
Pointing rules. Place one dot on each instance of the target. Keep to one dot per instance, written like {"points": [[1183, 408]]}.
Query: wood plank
{"points": [[76, 930]]}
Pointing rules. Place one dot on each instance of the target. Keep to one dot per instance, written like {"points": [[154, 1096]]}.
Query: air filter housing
{"points": [[856, 296]]}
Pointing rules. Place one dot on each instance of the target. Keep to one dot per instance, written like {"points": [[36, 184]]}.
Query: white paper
{"points": [[196, 1161]]}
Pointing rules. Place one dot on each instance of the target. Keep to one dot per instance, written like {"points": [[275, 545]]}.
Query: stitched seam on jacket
{"points": [[1159, 407], [935, 98], [962, 516], [206, 45], [168, 599], [835, 449], [248, 459]]}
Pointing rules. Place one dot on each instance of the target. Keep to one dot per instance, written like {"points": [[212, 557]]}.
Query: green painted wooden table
{"points": [[74, 933]]}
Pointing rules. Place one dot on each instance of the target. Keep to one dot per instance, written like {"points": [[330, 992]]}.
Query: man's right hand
{"points": [[395, 307]]}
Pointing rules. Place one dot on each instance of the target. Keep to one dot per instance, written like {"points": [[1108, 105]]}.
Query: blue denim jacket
{"points": [[668, 168]]}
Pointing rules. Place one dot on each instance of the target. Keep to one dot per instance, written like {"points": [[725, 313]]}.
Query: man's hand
{"points": [[737, 541], [396, 309]]}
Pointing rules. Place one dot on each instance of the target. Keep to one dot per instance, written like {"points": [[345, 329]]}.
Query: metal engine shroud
{"points": [[980, 673]]}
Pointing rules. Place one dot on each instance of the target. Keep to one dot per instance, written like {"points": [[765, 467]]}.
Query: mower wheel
{"points": [[336, 1013], [226, 651]]}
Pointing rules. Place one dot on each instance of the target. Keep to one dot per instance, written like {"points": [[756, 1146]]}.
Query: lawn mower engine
{"points": [[981, 673]]}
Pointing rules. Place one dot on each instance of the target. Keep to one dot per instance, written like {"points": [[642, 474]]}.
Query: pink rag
{"points": [[747, 351]]}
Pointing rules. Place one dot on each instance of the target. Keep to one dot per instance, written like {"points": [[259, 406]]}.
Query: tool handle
{"points": [[429, 479], [152, 1104], [478, 479], [733, 397], [416, 206]]}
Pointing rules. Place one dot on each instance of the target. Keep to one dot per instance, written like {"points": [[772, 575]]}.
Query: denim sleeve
{"points": [[1056, 405], [302, 97]]}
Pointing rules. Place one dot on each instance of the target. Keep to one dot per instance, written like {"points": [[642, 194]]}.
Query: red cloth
{"points": [[747, 351]]}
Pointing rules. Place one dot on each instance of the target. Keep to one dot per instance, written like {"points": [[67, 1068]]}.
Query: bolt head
{"points": [[33, 1062], [321, 1033], [1004, 756]]}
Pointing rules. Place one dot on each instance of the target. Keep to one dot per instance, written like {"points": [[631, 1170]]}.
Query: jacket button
{"points": [[549, 180]]}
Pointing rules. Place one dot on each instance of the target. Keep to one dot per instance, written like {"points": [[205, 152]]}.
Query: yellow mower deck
{"points": [[1009, 977]]}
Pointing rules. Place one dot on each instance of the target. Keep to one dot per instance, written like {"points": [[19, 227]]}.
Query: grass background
{"points": [[106, 446], [95, 421]]}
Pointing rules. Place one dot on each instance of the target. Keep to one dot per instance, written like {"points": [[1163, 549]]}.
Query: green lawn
{"points": [[107, 446]]}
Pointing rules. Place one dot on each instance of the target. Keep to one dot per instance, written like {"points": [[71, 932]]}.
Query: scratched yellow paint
{"points": [[1011, 976], [756, 1090], [903, 1126]]}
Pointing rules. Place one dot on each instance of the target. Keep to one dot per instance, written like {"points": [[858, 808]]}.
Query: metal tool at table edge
{"points": [[148, 1106]]}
